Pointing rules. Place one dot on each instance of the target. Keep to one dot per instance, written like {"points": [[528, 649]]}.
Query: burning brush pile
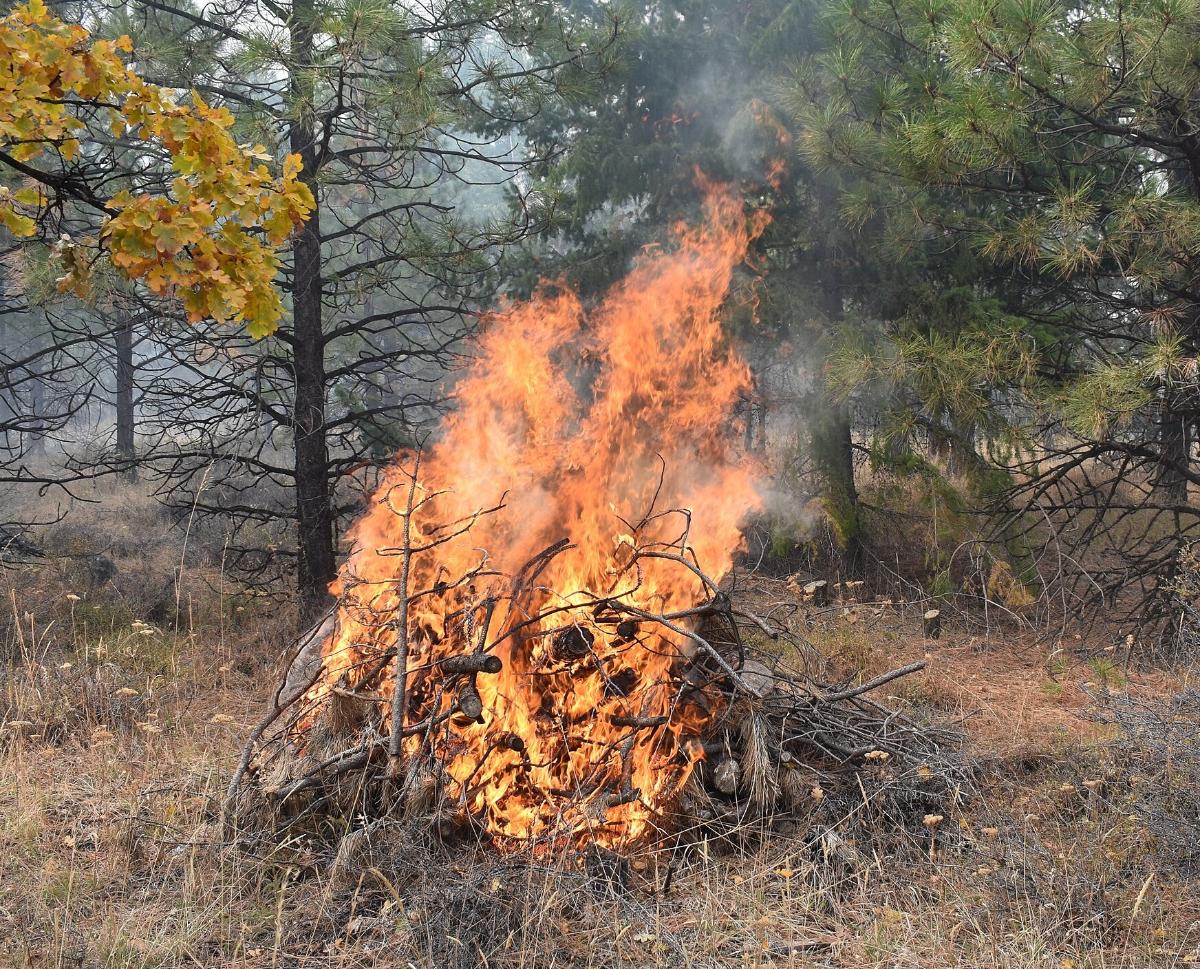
{"points": [[531, 639]]}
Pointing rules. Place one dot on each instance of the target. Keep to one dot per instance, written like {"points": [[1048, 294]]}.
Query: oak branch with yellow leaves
{"points": [[212, 240]]}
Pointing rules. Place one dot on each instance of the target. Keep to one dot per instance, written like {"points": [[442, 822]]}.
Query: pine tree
{"points": [[1060, 143]]}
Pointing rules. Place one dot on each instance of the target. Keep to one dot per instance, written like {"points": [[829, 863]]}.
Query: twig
{"points": [[400, 683]]}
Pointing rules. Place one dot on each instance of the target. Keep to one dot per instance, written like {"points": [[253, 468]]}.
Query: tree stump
{"points": [[818, 592]]}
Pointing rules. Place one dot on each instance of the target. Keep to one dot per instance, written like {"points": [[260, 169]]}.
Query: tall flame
{"points": [[609, 428]]}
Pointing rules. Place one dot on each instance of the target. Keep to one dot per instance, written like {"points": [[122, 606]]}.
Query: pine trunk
{"points": [[317, 566], [123, 339], [833, 446], [1175, 446], [37, 403]]}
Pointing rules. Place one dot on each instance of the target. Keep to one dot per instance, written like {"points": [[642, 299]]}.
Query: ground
{"points": [[122, 713]]}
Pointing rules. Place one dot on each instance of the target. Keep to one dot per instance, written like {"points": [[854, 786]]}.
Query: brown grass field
{"points": [[125, 701]]}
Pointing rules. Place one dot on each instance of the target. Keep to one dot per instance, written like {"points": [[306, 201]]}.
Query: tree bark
{"points": [[317, 564], [37, 404], [123, 339], [1177, 413], [1175, 447], [833, 451], [963, 457], [841, 464], [833, 442]]}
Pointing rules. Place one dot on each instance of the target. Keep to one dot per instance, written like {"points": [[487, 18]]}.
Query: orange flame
{"points": [[590, 427]]}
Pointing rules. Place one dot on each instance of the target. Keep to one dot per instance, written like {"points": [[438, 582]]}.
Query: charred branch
{"points": [[471, 663]]}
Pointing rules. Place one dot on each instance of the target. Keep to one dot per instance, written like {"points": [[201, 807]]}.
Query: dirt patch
{"points": [[1017, 694], [1017, 699]]}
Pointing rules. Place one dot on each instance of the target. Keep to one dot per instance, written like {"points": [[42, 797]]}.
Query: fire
{"points": [[592, 458]]}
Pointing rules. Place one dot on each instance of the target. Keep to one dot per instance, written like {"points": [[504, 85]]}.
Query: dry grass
{"points": [[117, 733]]}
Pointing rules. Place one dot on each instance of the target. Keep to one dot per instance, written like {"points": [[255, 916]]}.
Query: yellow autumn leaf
{"points": [[222, 189], [26, 152], [19, 225]]}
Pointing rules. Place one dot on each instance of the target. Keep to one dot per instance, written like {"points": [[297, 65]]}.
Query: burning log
{"points": [[773, 721], [469, 702], [638, 723], [457, 665], [752, 766], [510, 741], [619, 798], [571, 644]]}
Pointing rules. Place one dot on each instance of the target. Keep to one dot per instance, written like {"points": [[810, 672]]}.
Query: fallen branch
{"points": [[873, 684]]}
